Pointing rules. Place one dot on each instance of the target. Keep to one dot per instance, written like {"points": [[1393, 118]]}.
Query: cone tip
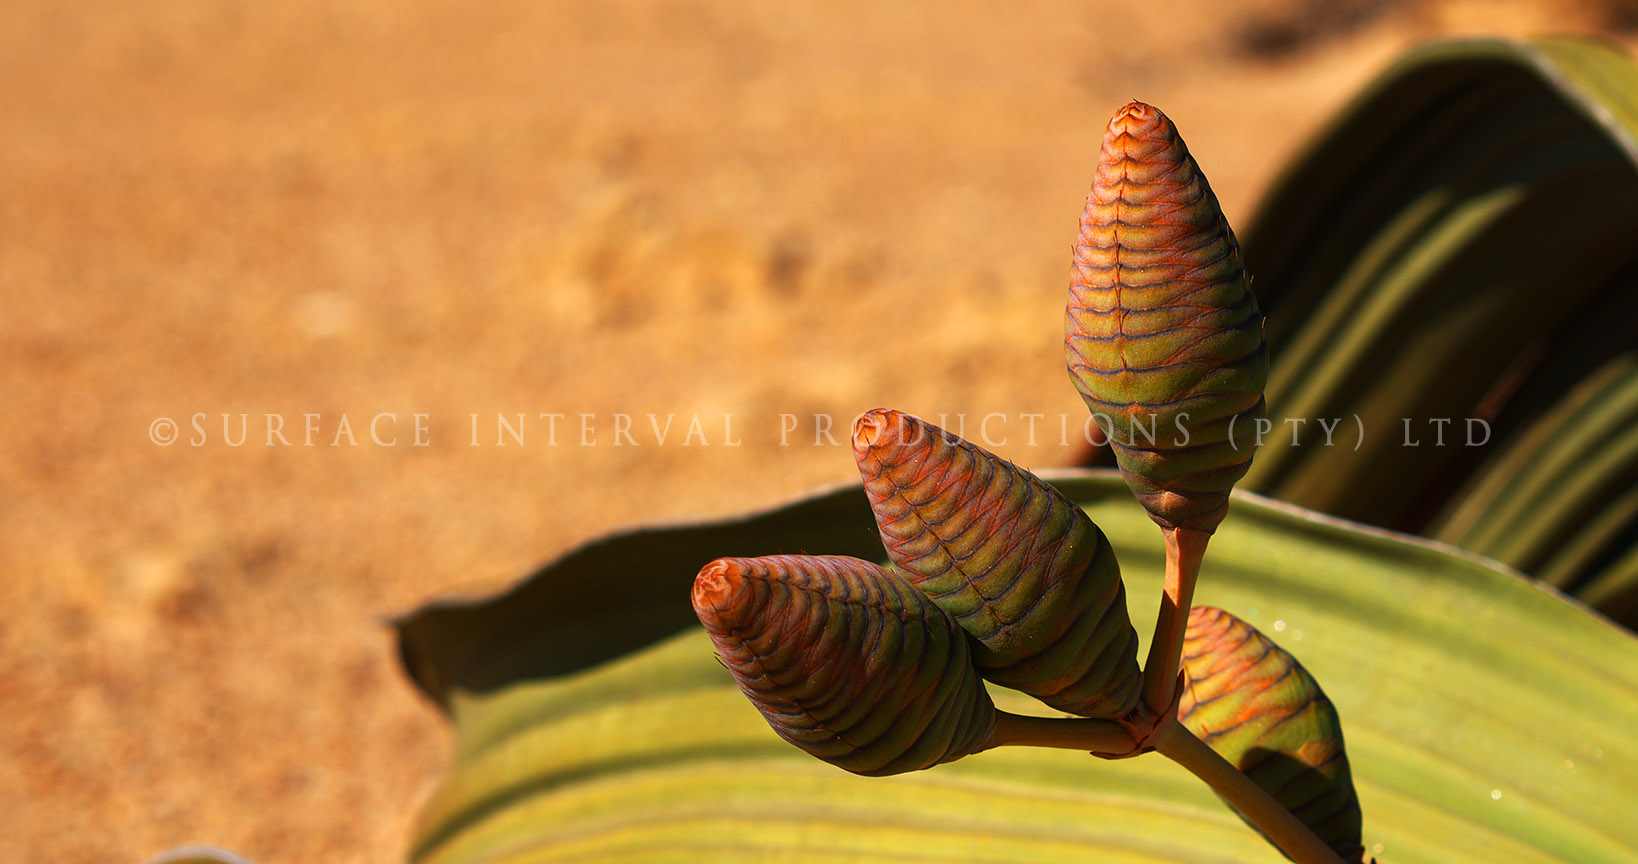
{"points": [[1134, 117], [715, 589], [871, 426]]}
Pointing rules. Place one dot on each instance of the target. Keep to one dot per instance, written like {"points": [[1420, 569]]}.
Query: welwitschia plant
{"points": [[996, 576]]}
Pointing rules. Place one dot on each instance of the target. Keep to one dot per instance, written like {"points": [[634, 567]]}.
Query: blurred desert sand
{"points": [[581, 207]]}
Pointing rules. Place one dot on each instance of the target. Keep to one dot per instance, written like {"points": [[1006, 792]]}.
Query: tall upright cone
{"points": [[1163, 336]]}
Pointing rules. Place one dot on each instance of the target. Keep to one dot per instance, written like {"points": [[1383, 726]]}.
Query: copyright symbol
{"points": [[162, 431]]}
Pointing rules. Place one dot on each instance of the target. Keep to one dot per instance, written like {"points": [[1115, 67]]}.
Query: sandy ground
{"points": [[363, 208]]}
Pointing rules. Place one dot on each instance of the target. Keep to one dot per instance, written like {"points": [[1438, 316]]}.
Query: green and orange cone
{"points": [[1253, 703], [846, 660], [1162, 334], [1019, 567]]}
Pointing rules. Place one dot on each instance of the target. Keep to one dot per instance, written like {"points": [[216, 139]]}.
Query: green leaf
{"points": [[1458, 244], [1487, 719]]}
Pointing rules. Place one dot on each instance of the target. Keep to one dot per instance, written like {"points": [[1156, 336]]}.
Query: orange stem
{"points": [[1250, 800], [1184, 550], [1069, 733]]}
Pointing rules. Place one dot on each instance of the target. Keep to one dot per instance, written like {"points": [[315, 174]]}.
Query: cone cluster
{"points": [[994, 575]]}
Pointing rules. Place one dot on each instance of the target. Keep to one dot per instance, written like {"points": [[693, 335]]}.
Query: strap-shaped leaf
{"points": [[1256, 706], [1163, 336], [1456, 246], [1018, 566], [846, 660], [1561, 498]]}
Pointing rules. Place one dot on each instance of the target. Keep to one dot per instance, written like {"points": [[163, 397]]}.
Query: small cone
{"points": [[1258, 708], [1019, 567], [846, 660]]}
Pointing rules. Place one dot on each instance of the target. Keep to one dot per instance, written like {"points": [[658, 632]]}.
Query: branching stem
{"points": [[1181, 746]]}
